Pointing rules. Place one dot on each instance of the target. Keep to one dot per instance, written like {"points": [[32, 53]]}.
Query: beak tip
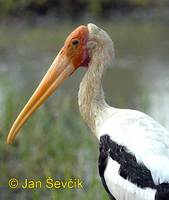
{"points": [[60, 69], [9, 140]]}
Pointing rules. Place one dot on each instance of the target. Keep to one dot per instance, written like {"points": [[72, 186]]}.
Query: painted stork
{"points": [[134, 149]]}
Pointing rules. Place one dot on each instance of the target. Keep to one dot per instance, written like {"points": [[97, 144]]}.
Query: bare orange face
{"points": [[73, 55], [75, 47]]}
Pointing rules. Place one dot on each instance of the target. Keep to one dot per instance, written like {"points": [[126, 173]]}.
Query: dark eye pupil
{"points": [[75, 42]]}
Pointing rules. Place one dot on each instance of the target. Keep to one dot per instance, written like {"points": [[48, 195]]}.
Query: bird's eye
{"points": [[75, 42]]}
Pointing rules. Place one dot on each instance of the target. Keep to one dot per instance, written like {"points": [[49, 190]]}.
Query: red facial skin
{"points": [[75, 47]]}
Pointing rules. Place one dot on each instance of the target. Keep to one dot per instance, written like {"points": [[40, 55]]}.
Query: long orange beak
{"points": [[60, 69]]}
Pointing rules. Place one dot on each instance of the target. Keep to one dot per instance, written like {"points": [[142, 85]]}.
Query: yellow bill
{"points": [[57, 73], [73, 55]]}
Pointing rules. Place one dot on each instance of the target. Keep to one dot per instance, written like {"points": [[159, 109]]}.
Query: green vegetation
{"points": [[66, 9], [57, 146]]}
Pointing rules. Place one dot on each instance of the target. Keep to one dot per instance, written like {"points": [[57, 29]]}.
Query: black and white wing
{"points": [[134, 157]]}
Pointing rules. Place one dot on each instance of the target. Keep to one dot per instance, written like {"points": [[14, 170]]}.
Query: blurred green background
{"points": [[55, 142]]}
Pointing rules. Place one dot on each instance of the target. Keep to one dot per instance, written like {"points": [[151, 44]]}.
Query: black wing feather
{"points": [[130, 169]]}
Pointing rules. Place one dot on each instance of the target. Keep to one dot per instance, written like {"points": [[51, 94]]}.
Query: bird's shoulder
{"points": [[121, 174], [124, 123], [145, 138]]}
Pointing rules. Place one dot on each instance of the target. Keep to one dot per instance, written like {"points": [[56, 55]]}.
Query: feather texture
{"points": [[143, 137]]}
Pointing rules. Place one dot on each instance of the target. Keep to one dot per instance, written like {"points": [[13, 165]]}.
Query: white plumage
{"points": [[123, 189], [142, 136], [146, 139]]}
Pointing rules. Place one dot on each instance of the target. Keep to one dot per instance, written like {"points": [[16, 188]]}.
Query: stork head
{"points": [[77, 51]]}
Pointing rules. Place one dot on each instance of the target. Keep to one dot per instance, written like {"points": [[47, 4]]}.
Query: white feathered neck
{"points": [[91, 96]]}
